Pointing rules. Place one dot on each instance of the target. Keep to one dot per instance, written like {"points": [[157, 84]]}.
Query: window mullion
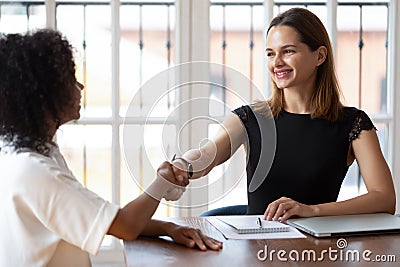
{"points": [[268, 15], [192, 44], [115, 104], [332, 23], [393, 94], [50, 14]]}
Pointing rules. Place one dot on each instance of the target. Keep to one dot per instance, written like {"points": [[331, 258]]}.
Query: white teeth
{"points": [[282, 72]]}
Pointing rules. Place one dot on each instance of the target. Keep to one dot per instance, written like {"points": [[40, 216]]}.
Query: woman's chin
{"points": [[77, 117]]}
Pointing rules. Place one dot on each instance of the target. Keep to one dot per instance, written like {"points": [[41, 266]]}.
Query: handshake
{"points": [[172, 179]]}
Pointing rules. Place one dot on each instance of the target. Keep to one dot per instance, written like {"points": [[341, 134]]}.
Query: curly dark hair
{"points": [[37, 71]]}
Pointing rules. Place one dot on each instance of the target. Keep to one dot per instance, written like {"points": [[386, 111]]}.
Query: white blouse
{"points": [[47, 217]]}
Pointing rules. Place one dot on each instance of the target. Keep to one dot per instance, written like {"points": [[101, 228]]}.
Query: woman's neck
{"points": [[296, 102], [52, 129]]}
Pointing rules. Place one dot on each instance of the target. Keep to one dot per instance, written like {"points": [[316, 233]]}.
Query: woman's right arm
{"points": [[220, 148], [131, 220], [135, 218]]}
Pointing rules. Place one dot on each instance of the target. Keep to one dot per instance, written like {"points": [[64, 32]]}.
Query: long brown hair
{"points": [[325, 100]]}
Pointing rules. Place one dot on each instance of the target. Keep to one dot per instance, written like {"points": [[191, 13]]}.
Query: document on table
{"points": [[231, 232]]}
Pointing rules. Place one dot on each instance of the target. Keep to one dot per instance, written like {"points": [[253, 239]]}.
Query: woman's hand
{"points": [[284, 208], [191, 237], [180, 168], [166, 185]]}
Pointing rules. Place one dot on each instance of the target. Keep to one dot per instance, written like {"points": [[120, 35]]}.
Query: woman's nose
{"points": [[79, 86], [278, 60]]}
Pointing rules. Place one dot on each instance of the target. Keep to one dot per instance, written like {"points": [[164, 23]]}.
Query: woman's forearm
{"points": [[219, 149], [133, 218], [156, 228], [203, 161], [371, 202]]}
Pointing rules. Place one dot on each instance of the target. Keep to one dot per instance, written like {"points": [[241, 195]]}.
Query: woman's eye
{"points": [[269, 54], [289, 51]]}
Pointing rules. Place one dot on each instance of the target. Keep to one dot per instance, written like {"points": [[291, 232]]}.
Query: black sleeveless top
{"points": [[310, 160]]}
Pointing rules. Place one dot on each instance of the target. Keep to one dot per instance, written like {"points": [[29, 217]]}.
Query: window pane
{"points": [[87, 150], [363, 71], [144, 148], [305, 2], [363, 1], [227, 182], [88, 29], [17, 17], [233, 45], [383, 135], [139, 30]]}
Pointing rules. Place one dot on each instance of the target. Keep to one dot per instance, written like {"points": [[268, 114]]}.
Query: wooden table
{"points": [[374, 250]]}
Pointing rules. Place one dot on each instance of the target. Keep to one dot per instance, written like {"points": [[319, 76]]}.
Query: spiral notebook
{"points": [[253, 224]]}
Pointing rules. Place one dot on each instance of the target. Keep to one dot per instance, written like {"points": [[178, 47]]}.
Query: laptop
{"points": [[348, 225]]}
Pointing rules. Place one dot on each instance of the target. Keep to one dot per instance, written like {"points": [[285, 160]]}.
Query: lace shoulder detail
{"points": [[243, 113], [361, 122]]}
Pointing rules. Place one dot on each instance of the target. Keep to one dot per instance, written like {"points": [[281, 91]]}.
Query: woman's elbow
{"points": [[390, 203], [124, 234], [392, 206], [123, 228], [131, 236]]}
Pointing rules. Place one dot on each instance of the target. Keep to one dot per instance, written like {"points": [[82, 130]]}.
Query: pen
{"points": [[259, 222]]}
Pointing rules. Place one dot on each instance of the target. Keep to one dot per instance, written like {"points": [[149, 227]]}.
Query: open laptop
{"points": [[348, 225]]}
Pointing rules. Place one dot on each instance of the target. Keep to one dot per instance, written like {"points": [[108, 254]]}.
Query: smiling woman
{"points": [[317, 137], [292, 63], [310, 48]]}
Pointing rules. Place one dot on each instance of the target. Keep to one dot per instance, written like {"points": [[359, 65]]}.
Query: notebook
{"points": [[348, 225], [253, 224]]}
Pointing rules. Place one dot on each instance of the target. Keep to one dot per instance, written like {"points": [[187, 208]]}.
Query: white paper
{"points": [[251, 224], [230, 233]]}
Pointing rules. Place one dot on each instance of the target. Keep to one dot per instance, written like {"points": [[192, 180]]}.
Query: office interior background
{"points": [[120, 45]]}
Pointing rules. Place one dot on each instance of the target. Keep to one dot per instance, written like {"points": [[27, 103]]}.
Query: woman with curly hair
{"points": [[48, 217]]}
